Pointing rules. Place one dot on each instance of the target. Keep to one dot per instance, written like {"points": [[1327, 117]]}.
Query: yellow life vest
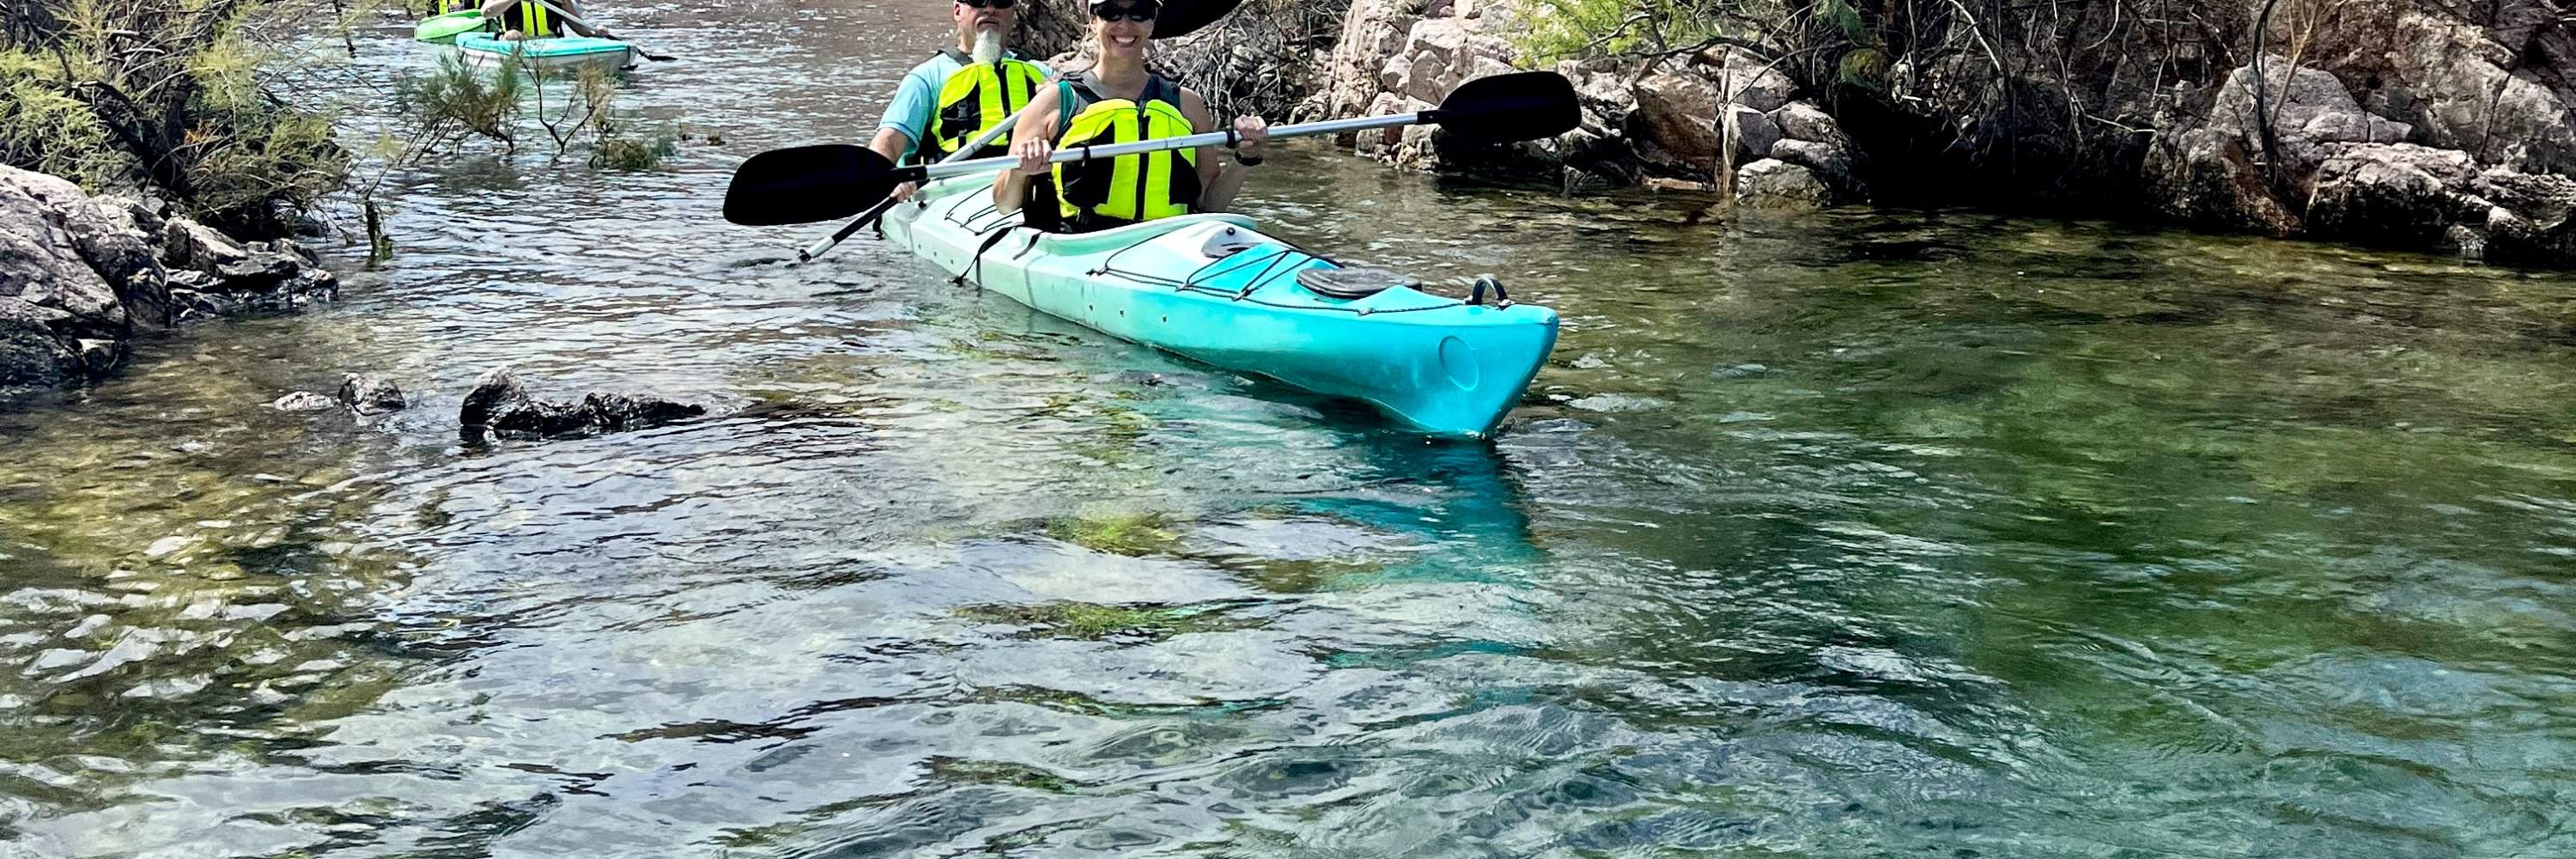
{"points": [[446, 7], [977, 97], [1113, 192], [532, 19]]}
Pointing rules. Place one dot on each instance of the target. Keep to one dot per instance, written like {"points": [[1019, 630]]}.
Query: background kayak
{"points": [[547, 56]]}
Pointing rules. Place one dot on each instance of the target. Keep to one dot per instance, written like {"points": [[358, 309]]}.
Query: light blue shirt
{"points": [[918, 96]]}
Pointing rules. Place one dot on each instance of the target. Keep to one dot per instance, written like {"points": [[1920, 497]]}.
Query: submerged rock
{"points": [[304, 401], [369, 394], [500, 407]]}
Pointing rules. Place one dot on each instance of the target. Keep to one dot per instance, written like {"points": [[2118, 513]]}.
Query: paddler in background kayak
{"points": [[533, 21], [1117, 101], [953, 97]]}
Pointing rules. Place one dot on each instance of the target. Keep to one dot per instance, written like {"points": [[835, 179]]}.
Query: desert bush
{"points": [[115, 92]]}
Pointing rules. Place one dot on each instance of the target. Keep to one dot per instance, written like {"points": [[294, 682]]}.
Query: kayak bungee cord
{"points": [[989, 222]]}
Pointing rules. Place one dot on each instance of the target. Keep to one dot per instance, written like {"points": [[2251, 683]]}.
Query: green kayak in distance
{"points": [[443, 29], [1211, 288], [551, 56]]}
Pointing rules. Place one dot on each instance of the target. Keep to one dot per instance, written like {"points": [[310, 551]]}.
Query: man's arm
{"points": [[1032, 140], [899, 132]]}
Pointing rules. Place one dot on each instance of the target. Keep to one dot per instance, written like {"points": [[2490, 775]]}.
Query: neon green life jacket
{"points": [[975, 98], [1103, 193]]}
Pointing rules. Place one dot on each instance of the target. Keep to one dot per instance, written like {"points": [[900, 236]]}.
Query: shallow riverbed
{"points": [[1853, 534]]}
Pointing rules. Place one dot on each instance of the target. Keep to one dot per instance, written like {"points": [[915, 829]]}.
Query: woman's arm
{"points": [[1033, 141], [1220, 176]]}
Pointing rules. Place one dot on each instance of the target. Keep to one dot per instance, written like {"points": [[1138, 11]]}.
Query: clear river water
{"points": [[1854, 534]]}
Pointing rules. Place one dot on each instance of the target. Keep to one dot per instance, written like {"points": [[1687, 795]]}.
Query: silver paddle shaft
{"points": [[948, 169], [878, 211]]}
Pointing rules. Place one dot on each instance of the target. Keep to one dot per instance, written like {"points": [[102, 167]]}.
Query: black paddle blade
{"points": [[1510, 108], [805, 184], [1183, 17]]}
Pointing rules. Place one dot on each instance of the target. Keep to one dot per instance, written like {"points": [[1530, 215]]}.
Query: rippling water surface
{"points": [[1859, 534]]}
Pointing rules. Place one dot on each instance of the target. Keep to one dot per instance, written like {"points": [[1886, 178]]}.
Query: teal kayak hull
{"points": [[1211, 288], [549, 56]]}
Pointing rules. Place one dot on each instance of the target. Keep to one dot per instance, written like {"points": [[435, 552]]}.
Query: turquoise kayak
{"points": [[550, 56], [1210, 288]]}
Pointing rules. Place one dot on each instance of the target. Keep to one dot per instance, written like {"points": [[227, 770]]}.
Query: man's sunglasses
{"points": [[989, 4], [1132, 12]]}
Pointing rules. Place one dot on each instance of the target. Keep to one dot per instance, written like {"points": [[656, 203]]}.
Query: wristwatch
{"points": [[1254, 161]]}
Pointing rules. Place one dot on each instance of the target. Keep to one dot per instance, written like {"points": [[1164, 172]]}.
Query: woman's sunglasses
{"points": [[1132, 12], [990, 4]]}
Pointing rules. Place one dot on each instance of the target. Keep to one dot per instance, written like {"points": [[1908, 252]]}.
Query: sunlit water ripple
{"points": [[1857, 534]]}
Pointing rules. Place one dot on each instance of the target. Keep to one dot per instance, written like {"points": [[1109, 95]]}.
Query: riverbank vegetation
{"points": [[119, 92], [190, 102]]}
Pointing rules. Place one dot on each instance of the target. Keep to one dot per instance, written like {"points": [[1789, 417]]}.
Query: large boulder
{"points": [[2499, 91], [1754, 133], [1803, 121], [1753, 82], [2544, 199], [1427, 79], [1678, 110], [2395, 194], [1827, 162], [1774, 184], [31, 355], [1443, 39], [61, 319], [2308, 109], [2207, 178], [103, 234], [256, 274], [191, 245], [2215, 173]]}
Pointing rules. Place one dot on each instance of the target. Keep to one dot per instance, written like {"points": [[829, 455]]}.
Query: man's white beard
{"points": [[988, 45]]}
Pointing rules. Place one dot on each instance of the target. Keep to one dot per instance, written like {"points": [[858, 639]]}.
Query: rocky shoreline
{"points": [[81, 277], [2410, 125]]}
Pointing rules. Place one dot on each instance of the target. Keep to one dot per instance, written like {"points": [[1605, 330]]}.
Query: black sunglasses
{"points": [[989, 4], [1133, 12]]}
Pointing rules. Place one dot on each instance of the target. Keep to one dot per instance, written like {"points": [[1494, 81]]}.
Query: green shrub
{"points": [[457, 101], [1563, 29], [631, 155], [122, 90], [44, 130]]}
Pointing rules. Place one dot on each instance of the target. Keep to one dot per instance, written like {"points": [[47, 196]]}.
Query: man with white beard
{"points": [[957, 94]]}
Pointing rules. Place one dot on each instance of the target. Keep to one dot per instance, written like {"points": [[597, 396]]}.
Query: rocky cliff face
{"points": [[82, 276], [2405, 125]]}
